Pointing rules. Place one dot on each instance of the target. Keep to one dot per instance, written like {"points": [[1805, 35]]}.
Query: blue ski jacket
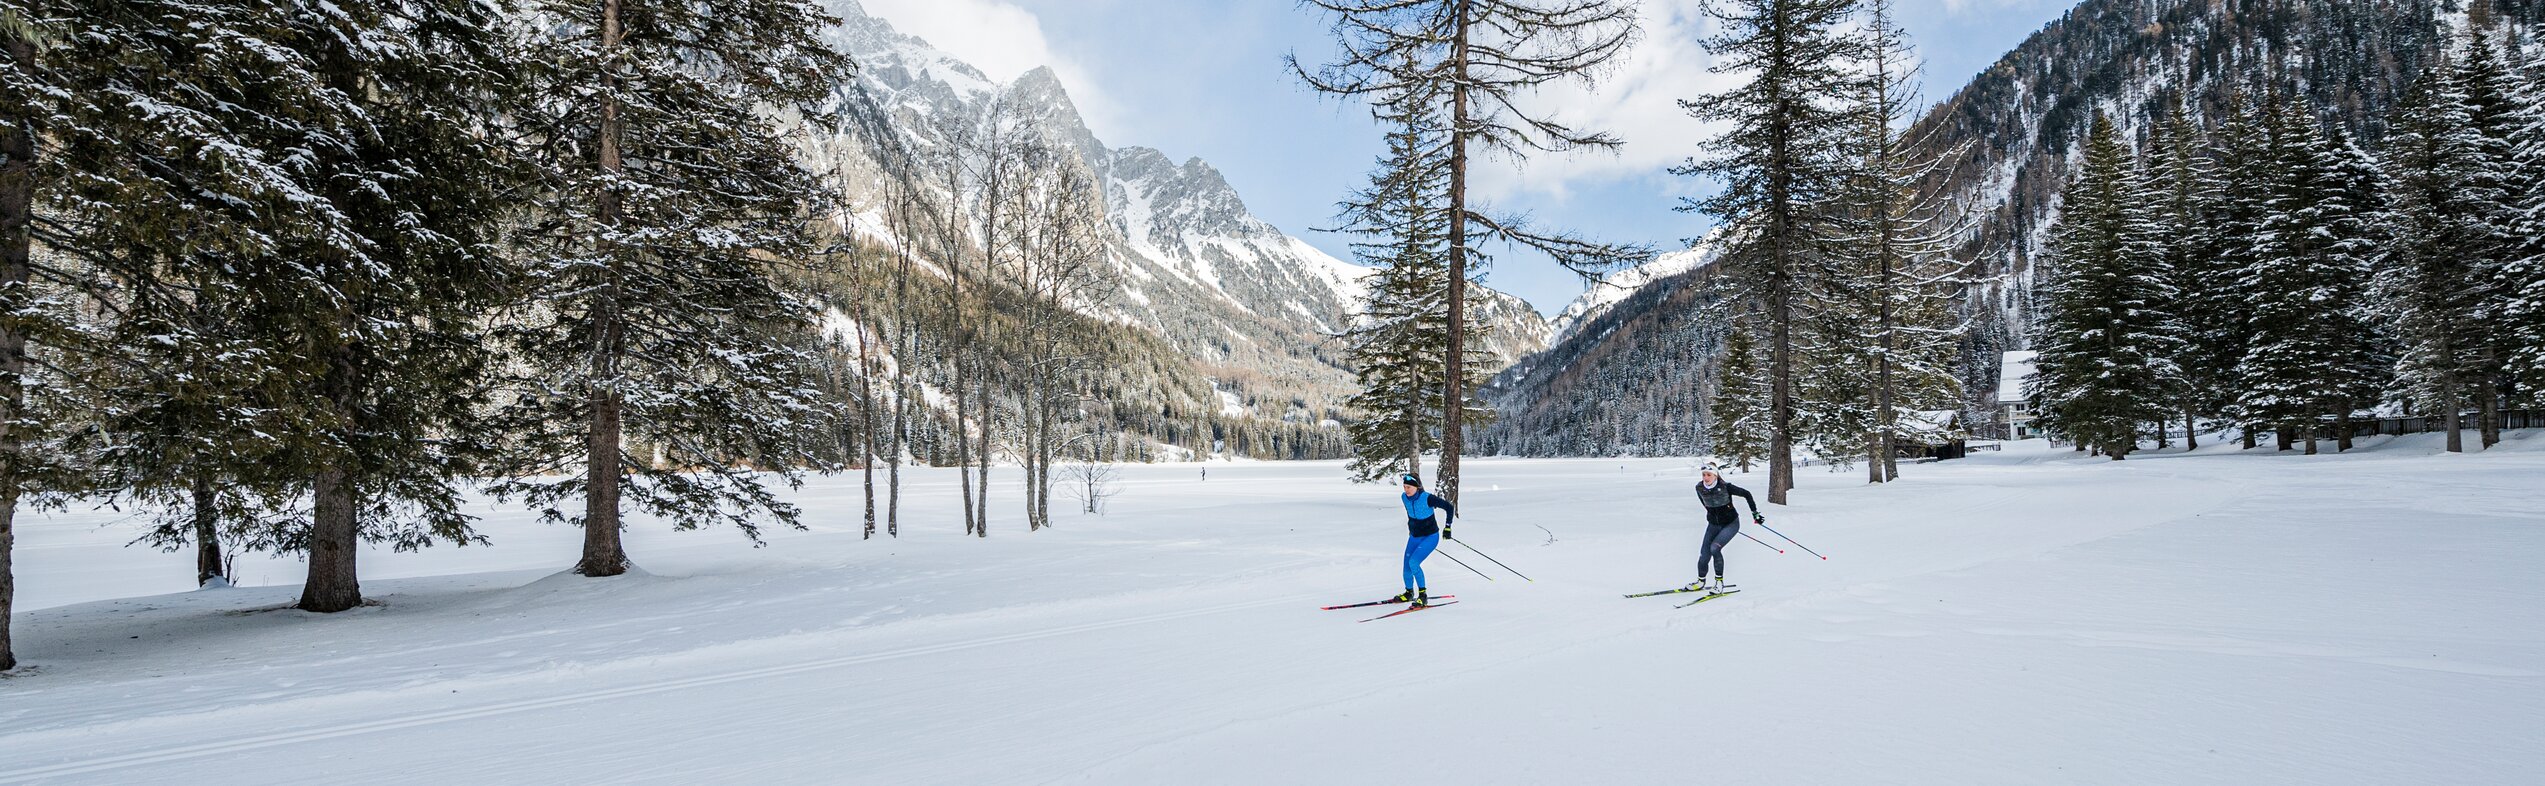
{"points": [[1419, 520]]}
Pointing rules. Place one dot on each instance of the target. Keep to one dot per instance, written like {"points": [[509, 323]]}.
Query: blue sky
{"points": [[1204, 78]]}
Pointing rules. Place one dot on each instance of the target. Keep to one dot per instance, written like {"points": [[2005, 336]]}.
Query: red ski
{"points": [[1409, 610]]}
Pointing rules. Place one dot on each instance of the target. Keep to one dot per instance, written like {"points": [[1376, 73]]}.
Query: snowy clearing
{"points": [[2025, 617]]}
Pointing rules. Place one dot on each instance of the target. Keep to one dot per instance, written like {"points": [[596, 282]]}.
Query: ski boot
{"points": [[1403, 597], [1422, 597], [1695, 586]]}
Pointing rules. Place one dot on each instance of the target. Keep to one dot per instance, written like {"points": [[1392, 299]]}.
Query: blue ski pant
{"points": [[1418, 549]]}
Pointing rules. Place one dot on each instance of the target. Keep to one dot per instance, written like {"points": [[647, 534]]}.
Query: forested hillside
{"points": [[2023, 118], [2007, 138]]}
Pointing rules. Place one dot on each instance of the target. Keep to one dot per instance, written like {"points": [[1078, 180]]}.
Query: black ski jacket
{"points": [[1718, 502]]}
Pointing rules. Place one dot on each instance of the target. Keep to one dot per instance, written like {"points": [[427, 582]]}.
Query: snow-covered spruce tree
{"points": [[1782, 160], [1399, 349], [657, 320], [2523, 275], [32, 108], [2182, 183], [2491, 97], [2106, 349], [2308, 269], [1736, 417], [1481, 57], [2441, 199], [375, 300], [1897, 284], [155, 183], [2357, 383], [2212, 297]]}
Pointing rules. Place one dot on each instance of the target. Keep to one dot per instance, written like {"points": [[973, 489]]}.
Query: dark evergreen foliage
{"points": [[668, 367]]}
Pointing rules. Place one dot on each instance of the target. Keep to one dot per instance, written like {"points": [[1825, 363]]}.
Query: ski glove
{"points": [[1757, 519], [1445, 533]]}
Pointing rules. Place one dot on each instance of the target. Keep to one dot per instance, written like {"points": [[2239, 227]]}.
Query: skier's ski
{"points": [[1666, 592], [1676, 591], [1704, 599], [1376, 603], [1408, 610]]}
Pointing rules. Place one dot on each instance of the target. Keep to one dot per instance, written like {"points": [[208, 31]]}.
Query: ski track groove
{"points": [[262, 741]]}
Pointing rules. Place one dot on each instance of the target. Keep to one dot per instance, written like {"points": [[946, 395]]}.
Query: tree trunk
{"points": [[333, 539], [962, 441], [17, 247], [207, 532], [1453, 394], [986, 419], [603, 554], [2312, 426], [2342, 427], [1873, 457], [866, 409], [2247, 436], [2490, 393], [1886, 419], [2455, 418], [2191, 431], [906, 342], [2284, 436], [1780, 439]]}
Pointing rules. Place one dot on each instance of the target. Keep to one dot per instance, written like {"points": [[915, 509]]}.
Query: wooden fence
{"points": [[2425, 424]]}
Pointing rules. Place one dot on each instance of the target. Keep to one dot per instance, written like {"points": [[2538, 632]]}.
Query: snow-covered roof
{"points": [[2011, 374], [1928, 422]]}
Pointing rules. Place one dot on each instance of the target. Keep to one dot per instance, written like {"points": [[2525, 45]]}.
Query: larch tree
{"points": [[1483, 58], [1061, 272], [1897, 288], [657, 321]]}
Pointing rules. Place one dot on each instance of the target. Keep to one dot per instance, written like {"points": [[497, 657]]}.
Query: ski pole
{"points": [[1797, 544], [1755, 538], [1489, 558], [1470, 568]]}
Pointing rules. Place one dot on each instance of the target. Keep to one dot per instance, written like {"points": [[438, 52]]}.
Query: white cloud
{"points": [[1637, 102], [1004, 41]]}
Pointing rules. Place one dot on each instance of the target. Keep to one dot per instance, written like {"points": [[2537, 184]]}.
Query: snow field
{"points": [[2028, 617]]}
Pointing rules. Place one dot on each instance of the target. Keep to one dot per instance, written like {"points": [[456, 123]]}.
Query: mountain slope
{"points": [[2017, 123], [1254, 310]]}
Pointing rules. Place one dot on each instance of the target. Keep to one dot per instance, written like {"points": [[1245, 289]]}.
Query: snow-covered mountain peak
{"points": [[1617, 286], [1196, 267]]}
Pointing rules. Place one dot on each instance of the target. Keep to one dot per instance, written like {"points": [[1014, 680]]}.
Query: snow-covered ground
{"points": [[2026, 617]]}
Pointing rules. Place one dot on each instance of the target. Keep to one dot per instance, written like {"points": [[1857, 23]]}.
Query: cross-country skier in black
{"points": [[1423, 531], [1722, 524]]}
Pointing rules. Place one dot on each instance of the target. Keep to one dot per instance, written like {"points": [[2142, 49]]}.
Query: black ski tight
{"points": [[1718, 535]]}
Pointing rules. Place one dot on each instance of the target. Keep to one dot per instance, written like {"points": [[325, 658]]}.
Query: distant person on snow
{"points": [[1424, 530], [1722, 523]]}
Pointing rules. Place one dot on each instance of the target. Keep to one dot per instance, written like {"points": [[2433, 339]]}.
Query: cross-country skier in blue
{"points": [[1423, 531]]}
